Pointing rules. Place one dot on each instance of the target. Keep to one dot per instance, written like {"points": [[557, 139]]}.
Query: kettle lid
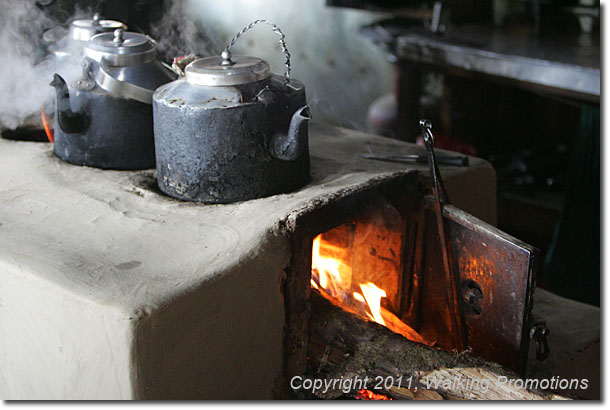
{"points": [[220, 71], [121, 48]]}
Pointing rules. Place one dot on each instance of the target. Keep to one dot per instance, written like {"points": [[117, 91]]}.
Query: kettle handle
{"points": [[226, 54]]}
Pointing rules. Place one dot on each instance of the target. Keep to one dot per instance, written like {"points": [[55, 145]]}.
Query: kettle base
{"points": [[208, 195]]}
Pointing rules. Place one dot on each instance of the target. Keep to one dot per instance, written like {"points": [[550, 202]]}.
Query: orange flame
{"points": [[330, 273], [47, 129], [364, 394], [372, 295], [333, 278]]}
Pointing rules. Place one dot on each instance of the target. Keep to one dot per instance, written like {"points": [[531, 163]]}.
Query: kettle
{"points": [[83, 29], [230, 130], [80, 32], [104, 120]]}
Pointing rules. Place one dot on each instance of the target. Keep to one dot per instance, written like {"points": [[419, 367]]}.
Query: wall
{"points": [[343, 72]]}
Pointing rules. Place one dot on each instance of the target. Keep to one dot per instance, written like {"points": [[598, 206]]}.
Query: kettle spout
{"points": [[289, 147], [298, 123], [69, 121]]}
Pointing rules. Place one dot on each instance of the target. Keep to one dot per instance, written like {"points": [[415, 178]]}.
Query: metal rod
{"points": [[455, 161], [441, 197]]}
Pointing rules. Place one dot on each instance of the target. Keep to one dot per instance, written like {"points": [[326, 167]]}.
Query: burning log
{"points": [[343, 345]]}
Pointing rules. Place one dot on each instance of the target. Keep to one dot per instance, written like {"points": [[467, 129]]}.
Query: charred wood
{"points": [[342, 344]]}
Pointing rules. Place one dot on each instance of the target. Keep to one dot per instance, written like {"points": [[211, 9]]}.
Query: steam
{"points": [[25, 71], [178, 34], [27, 68]]}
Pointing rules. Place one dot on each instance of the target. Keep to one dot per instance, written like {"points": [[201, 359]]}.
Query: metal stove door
{"points": [[495, 274]]}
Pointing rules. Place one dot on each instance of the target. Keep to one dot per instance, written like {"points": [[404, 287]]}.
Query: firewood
{"points": [[342, 344]]}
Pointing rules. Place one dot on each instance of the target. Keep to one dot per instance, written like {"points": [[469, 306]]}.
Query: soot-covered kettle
{"points": [[230, 130], [104, 120]]}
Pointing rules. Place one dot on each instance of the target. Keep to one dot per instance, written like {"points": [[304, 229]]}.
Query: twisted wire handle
{"points": [[282, 41]]}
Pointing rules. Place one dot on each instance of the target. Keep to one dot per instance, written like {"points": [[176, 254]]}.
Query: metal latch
{"points": [[538, 334]]}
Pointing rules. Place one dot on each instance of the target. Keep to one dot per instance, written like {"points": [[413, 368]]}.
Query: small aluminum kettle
{"points": [[230, 130], [83, 29], [80, 32]]}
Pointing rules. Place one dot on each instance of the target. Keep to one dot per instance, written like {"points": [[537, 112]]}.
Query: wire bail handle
{"points": [[226, 53]]}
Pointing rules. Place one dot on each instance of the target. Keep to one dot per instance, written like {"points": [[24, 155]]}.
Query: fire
{"points": [[47, 129], [332, 276], [372, 296], [364, 394]]}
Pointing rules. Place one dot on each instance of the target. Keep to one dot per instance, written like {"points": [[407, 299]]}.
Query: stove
{"points": [[112, 290]]}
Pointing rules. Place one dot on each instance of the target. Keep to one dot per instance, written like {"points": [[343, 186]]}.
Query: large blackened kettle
{"points": [[105, 120], [230, 130]]}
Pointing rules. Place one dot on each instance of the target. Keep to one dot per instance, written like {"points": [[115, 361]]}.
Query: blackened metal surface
{"points": [[118, 132], [496, 273], [216, 144]]}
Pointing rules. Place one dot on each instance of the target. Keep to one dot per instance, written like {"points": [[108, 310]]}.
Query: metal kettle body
{"points": [[230, 130], [231, 143], [112, 133], [104, 120]]}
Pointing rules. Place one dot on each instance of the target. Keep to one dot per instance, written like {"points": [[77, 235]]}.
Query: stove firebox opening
{"points": [[386, 267], [359, 266]]}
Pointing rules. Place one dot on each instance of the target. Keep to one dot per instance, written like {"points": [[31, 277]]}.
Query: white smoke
{"points": [[25, 71], [178, 33]]}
